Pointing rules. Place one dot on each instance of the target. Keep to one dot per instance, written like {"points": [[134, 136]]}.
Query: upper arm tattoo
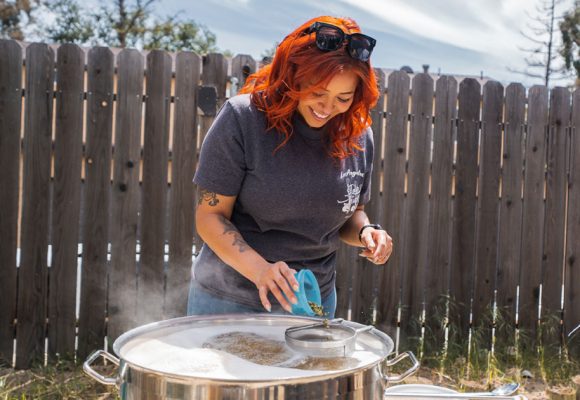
{"points": [[229, 228], [207, 196]]}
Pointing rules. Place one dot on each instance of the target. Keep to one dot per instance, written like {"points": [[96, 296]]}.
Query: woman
{"points": [[284, 173]]}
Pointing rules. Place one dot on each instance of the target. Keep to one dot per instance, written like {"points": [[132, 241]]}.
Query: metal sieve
{"points": [[329, 338]]}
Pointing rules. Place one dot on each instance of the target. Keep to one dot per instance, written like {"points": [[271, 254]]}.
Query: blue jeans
{"points": [[201, 302]]}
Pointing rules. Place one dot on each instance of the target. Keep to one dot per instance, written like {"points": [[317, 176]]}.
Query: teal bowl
{"points": [[308, 290]]}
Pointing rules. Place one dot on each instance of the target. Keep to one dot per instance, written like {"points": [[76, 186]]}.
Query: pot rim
{"points": [[227, 319]]}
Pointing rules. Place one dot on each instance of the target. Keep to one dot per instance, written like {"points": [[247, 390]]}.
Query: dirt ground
{"points": [[66, 383], [531, 388]]}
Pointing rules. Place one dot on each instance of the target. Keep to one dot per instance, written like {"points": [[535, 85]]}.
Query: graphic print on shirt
{"points": [[353, 190]]}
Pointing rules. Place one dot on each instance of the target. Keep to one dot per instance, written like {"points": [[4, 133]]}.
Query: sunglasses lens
{"points": [[360, 47], [329, 38]]}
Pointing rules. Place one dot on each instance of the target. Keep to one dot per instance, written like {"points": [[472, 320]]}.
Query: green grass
{"points": [[62, 381], [458, 362], [543, 353]]}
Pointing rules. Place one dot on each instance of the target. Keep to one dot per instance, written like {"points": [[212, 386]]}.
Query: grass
{"points": [[495, 352], [62, 381]]}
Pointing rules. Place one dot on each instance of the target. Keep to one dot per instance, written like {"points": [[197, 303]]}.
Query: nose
{"points": [[327, 105]]}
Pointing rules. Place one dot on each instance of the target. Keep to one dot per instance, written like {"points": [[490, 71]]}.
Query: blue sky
{"points": [[462, 37]]}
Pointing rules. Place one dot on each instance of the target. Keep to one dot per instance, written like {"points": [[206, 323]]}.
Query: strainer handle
{"points": [[94, 374], [301, 327], [401, 377]]}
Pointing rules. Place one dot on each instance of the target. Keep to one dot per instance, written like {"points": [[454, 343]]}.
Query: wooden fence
{"points": [[479, 187]]}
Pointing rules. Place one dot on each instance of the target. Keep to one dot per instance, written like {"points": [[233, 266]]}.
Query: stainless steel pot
{"points": [[170, 360]]}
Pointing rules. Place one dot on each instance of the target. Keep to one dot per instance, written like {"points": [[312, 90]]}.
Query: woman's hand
{"points": [[277, 278], [378, 245]]}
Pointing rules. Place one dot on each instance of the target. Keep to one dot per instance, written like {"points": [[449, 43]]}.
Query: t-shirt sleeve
{"points": [[222, 165], [365, 195]]}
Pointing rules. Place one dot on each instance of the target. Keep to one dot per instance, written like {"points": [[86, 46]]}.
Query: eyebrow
{"points": [[351, 92]]}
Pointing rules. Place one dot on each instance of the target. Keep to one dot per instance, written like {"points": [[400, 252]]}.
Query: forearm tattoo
{"points": [[230, 229], [207, 196]]}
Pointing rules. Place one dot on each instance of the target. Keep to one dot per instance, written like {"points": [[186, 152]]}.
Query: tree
{"points": [[570, 29], [175, 35], [543, 60], [12, 14], [70, 26], [126, 24]]}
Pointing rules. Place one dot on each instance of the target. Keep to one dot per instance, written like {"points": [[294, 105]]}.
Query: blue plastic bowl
{"points": [[308, 291]]}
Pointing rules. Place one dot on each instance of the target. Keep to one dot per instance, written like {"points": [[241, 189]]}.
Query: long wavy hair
{"points": [[298, 69]]}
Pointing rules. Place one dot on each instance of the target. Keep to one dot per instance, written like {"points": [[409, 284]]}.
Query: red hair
{"points": [[299, 68]]}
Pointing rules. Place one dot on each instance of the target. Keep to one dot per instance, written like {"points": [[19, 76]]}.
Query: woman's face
{"points": [[324, 104]]}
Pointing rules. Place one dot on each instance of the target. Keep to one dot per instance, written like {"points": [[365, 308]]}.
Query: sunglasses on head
{"points": [[330, 37]]}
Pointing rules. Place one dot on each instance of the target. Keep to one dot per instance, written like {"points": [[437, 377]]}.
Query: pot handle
{"points": [[401, 377], [94, 374]]}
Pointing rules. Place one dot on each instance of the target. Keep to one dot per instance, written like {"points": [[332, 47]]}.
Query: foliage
{"points": [[493, 348], [126, 23], [12, 14], [570, 29], [63, 381], [543, 60]]}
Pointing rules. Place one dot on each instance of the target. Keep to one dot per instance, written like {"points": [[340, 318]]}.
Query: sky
{"points": [[453, 37]]}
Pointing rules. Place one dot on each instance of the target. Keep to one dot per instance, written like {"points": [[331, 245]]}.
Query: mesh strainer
{"points": [[330, 338]]}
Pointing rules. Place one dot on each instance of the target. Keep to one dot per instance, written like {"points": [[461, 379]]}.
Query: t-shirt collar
{"points": [[302, 128]]}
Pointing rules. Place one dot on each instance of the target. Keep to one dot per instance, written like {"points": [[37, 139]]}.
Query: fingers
{"points": [[278, 279], [263, 291], [379, 246]]}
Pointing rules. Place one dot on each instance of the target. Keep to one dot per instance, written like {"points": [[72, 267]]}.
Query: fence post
{"points": [[572, 273], [439, 226], [122, 306], [394, 168], [183, 163], [463, 230], [66, 200], [486, 236], [150, 282], [95, 210], [533, 211], [33, 271], [416, 214], [510, 229], [10, 112]]}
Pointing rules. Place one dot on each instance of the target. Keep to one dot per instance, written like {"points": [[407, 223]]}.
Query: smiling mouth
{"points": [[321, 117]]}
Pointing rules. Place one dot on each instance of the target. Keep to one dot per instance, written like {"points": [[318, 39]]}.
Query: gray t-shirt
{"points": [[290, 203]]}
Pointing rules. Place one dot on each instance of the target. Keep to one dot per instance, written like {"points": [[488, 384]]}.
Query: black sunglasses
{"points": [[330, 38]]}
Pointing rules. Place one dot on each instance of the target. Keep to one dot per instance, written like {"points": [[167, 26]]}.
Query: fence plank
{"points": [[416, 215], [181, 206], [150, 282], [463, 229], [66, 200], [533, 211], [345, 259], [555, 219], [214, 75], [243, 66], [32, 293], [95, 224], [439, 235], [365, 273], [10, 109], [389, 297], [122, 303], [488, 201], [572, 274], [510, 223]]}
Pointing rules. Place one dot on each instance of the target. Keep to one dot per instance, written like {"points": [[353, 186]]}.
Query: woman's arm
{"points": [[377, 242], [213, 224]]}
